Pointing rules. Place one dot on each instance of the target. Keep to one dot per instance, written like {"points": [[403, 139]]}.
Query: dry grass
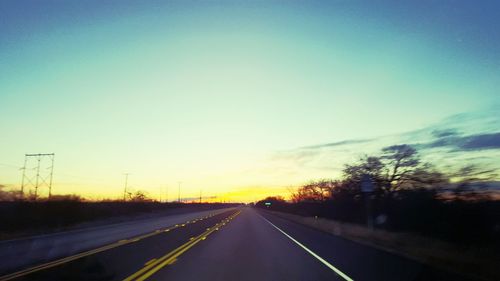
{"points": [[476, 263]]}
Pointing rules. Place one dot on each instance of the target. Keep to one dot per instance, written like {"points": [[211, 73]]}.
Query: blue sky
{"points": [[457, 141], [206, 92]]}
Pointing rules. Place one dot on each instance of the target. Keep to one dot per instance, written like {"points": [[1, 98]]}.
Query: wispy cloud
{"points": [[444, 133], [470, 142], [484, 141], [466, 138], [339, 143]]}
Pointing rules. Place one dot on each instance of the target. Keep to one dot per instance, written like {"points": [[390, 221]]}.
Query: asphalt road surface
{"points": [[20, 253], [237, 244]]}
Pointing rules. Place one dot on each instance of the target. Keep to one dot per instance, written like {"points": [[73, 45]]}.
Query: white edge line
{"points": [[343, 275]]}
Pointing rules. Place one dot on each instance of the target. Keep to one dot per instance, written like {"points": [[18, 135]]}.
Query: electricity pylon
{"points": [[38, 175]]}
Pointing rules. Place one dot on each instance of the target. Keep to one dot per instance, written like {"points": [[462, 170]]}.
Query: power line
{"points": [[11, 166]]}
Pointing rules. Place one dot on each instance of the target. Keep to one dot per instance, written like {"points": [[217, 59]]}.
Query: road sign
{"points": [[366, 183]]}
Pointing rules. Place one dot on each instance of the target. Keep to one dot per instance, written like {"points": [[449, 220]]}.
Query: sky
{"points": [[223, 96]]}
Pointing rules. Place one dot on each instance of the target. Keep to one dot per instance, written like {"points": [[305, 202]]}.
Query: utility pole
{"points": [[200, 195], [125, 188], [51, 174], [37, 177], [367, 189], [24, 175], [179, 192]]}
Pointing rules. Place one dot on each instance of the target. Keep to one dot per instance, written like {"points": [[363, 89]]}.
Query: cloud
{"points": [[471, 142], [445, 133], [485, 141], [472, 137], [339, 143]]}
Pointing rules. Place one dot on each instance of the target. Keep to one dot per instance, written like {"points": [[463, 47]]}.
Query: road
{"points": [[237, 244], [21, 253]]}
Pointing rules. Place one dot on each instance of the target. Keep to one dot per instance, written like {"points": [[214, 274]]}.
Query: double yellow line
{"points": [[94, 251], [155, 265]]}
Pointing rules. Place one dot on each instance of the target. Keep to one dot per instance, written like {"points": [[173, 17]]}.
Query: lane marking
{"points": [[159, 260], [171, 257], [64, 260], [336, 270], [174, 257], [145, 269]]}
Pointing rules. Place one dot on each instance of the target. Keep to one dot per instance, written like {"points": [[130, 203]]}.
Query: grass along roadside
{"points": [[477, 264]]}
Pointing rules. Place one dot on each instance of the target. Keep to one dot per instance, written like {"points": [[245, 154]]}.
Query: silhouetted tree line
{"points": [[408, 195], [16, 195]]}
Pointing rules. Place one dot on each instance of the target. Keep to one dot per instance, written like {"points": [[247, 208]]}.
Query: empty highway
{"points": [[232, 244]]}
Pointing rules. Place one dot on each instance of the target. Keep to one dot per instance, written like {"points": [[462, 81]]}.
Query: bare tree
{"points": [[315, 191], [9, 195], [367, 165], [398, 167], [140, 196], [400, 162], [472, 182]]}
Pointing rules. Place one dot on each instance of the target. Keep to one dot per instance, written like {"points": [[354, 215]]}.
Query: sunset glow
{"points": [[236, 99]]}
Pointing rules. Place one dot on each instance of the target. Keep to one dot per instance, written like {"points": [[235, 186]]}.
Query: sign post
{"points": [[367, 189]]}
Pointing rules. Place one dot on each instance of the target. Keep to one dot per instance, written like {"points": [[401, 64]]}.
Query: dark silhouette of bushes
{"points": [[408, 196]]}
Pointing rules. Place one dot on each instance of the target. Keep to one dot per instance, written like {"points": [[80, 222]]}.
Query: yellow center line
{"points": [[81, 255], [170, 257], [56, 262], [174, 256], [179, 249], [159, 260]]}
